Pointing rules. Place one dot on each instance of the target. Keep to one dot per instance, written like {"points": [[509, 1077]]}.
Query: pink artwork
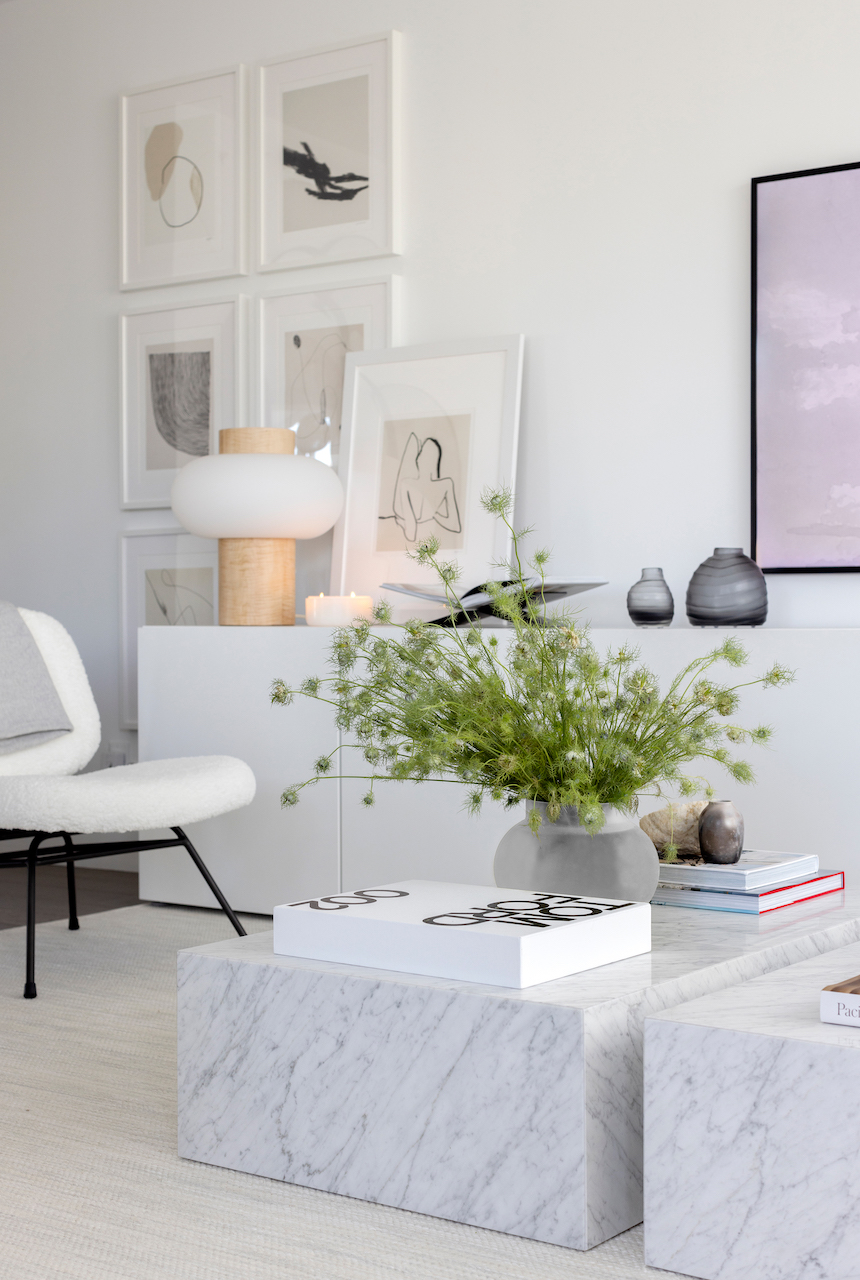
{"points": [[806, 437]]}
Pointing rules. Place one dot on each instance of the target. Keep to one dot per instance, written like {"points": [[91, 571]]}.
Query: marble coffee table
{"points": [[520, 1111], [752, 1131]]}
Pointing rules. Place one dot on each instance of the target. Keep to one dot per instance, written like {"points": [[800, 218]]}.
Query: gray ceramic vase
{"points": [[721, 832], [619, 862], [649, 601], [727, 590]]}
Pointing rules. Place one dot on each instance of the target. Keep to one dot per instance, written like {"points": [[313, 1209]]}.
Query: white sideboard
{"points": [[205, 690]]}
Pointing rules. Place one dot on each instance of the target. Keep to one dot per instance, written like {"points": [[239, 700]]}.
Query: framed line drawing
{"points": [[806, 371], [183, 180], [426, 430], [305, 338], [182, 380], [329, 154], [168, 578]]}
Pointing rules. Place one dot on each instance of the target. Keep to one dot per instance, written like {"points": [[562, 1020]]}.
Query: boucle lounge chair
{"points": [[44, 798]]}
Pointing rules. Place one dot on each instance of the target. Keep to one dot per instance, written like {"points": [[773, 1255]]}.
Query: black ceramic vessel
{"points": [[649, 601], [721, 832], [728, 589]]}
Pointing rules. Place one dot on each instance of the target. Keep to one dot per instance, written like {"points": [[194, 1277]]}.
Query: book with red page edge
{"points": [[750, 901]]}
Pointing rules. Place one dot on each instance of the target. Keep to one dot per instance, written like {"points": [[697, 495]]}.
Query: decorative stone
{"points": [[677, 824]]}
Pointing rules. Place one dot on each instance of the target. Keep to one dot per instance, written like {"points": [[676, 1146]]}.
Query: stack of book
{"points": [[760, 881]]}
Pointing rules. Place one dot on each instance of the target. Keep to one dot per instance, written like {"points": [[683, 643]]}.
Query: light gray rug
{"points": [[91, 1187]]}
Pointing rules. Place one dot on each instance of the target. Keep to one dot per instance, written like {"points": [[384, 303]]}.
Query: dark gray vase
{"points": [[620, 862], [721, 832], [727, 590], [649, 601]]}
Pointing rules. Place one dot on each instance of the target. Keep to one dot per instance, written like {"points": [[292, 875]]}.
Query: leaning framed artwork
{"points": [[426, 430], [182, 374], [183, 180], [305, 339], [806, 371], [329, 154], [168, 578]]}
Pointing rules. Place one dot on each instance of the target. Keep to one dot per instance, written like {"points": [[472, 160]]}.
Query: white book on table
{"points": [[754, 869], [474, 933]]}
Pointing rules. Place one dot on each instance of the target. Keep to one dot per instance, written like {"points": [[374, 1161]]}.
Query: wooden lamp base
{"points": [[257, 582], [257, 576]]}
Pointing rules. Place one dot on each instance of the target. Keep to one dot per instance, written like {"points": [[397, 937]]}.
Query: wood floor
{"points": [[97, 890]]}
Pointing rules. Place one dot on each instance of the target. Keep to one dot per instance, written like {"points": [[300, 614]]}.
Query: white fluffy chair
{"points": [[40, 800]]}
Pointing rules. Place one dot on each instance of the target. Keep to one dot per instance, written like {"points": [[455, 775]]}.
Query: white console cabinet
{"points": [[205, 690]]}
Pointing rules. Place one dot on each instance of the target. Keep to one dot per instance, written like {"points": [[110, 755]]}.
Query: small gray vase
{"points": [[721, 832], [649, 601], [619, 862]]}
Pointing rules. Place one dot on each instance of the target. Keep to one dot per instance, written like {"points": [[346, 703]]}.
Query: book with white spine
{"points": [[475, 933], [754, 869], [749, 901]]}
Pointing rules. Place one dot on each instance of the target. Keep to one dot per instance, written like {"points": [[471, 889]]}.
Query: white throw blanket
{"points": [[30, 708]]}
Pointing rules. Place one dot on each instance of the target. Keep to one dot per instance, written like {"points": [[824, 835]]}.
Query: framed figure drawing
{"points": [[306, 337], [329, 155], [806, 371], [426, 430], [168, 578], [183, 181], [181, 382]]}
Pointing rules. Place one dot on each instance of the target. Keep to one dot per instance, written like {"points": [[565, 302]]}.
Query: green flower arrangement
{"points": [[543, 717]]}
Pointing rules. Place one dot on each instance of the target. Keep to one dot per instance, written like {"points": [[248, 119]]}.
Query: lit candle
{"points": [[337, 611]]}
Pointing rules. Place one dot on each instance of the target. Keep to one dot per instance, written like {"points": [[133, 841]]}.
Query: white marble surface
{"points": [[752, 1116], [515, 1110]]}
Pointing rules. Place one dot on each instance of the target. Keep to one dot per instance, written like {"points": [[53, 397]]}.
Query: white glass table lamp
{"points": [[256, 497]]}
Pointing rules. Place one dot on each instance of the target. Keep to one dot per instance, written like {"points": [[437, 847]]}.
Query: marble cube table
{"points": [[752, 1131], [520, 1111]]}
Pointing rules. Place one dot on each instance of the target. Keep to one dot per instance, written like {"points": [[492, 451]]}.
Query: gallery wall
{"points": [[573, 170]]}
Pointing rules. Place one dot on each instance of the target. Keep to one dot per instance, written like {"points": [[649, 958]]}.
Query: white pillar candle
{"points": [[337, 611]]}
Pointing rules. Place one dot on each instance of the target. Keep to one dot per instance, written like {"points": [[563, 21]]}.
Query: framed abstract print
{"points": [[329, 155], [181, 382], [806, 371], [426, 430], [305, 339], [168, 578], [183, 181]]}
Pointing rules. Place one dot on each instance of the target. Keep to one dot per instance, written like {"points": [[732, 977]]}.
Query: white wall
{"points": [[577, 170]]}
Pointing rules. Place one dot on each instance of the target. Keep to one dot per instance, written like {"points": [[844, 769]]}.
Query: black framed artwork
{"points": [[806, 370]]}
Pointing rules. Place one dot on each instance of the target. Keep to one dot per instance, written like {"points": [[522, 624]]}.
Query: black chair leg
{"points": [[73, 897], [30, 983], [204, 871]]}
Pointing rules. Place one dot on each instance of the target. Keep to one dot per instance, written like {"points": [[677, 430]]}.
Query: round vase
{"points": [[619, 862], [721, 832], [649, 601], [728, 589]]}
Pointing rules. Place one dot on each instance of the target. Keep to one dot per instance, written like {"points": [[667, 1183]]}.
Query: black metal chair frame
{"points": [[70, 853]]}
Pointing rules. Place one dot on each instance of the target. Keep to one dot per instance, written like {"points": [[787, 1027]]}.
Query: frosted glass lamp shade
{"points": [[257, 495]]}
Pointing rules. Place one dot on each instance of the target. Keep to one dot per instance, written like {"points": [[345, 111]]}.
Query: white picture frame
{"points": [[182, 379], [181, 599], [449, 412], [183, 180], [335, 111], [305, 335]]}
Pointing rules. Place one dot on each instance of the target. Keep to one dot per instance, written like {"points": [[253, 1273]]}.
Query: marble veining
{"points": [[752, 1110], [437, 1101], [515, 1110]]}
